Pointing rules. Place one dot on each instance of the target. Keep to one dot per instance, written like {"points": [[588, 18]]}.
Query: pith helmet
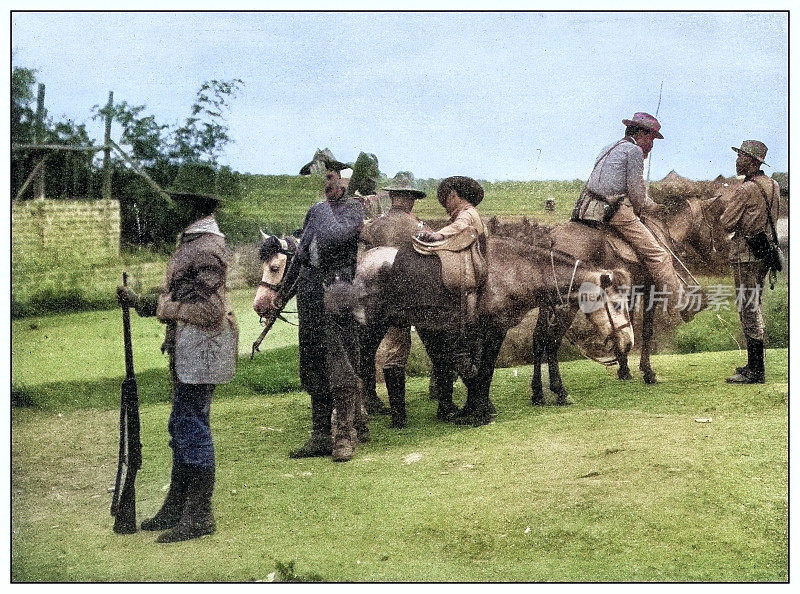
{"points": [[644, 120], [753, 148], [404, 182]]}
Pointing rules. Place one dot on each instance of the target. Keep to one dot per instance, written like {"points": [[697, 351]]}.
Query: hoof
{"points": [[446, 412], [650, 378], [537, 399], [624, 375], [376, 407]]}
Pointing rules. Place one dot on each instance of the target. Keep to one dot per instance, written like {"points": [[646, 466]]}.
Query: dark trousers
{"points": [[329, 351], [190, 425]]}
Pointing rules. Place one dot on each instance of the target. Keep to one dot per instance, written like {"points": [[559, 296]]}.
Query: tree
{"points": [[204, 134]]}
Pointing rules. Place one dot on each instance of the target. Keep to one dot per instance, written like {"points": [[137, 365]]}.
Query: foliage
{"points": [[284, 572], [204, 134]]}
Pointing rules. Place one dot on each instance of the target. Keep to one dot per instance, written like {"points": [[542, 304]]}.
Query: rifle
{"points": [[123, 503]]}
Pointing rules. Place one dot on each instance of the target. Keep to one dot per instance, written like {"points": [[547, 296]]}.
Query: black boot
{"points": [[197, 519], [396, 387], [319, 444], [171, 510], [753, 372]]}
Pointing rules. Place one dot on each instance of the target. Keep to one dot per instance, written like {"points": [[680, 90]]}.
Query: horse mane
{"points": [[533, 233]]}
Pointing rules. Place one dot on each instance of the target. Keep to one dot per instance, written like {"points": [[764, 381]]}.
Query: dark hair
{"points": [[466, 188]]}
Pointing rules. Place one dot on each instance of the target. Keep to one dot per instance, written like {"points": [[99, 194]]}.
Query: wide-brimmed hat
{"points": [[194, 197], [327, 160], [404, 182], [644, 120], [753, 148]]}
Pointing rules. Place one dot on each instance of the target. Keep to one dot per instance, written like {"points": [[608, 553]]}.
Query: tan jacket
{"points": [[394, 229], [202, 333], [746, 214]]}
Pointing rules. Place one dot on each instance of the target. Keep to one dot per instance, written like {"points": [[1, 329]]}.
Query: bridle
{"points": [[287, 247], [551, 321]]}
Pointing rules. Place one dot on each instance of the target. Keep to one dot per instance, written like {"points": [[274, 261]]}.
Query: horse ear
{"points": [[605, 280]]}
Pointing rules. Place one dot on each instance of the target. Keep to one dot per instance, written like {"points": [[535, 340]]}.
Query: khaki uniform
{"points": [[394, 229], [619, 173], [745, 214]]}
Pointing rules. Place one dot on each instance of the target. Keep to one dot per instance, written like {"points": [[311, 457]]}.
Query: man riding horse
{"points": [[615, 196]]}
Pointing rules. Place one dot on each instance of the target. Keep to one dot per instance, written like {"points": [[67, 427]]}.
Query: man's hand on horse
{"points": [[429, 236], [127, 297]]}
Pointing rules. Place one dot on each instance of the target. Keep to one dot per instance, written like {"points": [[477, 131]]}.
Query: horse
{"points": [[689, 222], [521, 275]]}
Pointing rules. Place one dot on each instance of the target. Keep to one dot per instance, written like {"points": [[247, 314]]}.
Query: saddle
{"points": [[603, 240], [418, 293], [463, 264]]}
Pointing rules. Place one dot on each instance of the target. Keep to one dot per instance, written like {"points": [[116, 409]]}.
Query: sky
{"points": [[492, 95]]}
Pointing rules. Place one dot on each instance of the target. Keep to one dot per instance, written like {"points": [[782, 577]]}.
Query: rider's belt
{"points": [[601, 208]]}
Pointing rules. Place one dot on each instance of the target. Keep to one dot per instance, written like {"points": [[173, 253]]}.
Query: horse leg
{"points": [[648, 374], [553, 342], [624, 372], [371, 337], [539, 347], [442, 379], [479, 409]]}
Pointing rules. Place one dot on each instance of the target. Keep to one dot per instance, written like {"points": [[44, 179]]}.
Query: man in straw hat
{"points": [[748, 212], [616, 195], [201, 340], [395, 229]]}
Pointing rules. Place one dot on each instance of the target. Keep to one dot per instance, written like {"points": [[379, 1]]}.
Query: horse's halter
{"points": [[288, 247], [562, 303]]}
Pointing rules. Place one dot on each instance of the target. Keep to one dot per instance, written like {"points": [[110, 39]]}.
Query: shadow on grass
{"points": [[272, 372]]}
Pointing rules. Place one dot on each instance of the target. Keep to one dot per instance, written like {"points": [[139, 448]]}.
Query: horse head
{"points": [[275, 254], [603, 298]]}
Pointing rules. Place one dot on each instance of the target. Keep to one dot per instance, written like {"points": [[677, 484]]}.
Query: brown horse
{"points": [[691, 222], [521, 276]]}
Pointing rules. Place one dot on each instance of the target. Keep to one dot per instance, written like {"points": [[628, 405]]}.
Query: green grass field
{"points": [[682, 481], [686, 480]]}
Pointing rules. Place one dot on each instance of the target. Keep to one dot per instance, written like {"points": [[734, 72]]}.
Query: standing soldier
{"points": [[395, 229], [201, 340], [616, 195], [750, 210], [460, 196], [328, 335]]}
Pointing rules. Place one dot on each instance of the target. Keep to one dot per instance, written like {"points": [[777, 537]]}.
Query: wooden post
{"points": [[107, 149], [39, 186]]}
